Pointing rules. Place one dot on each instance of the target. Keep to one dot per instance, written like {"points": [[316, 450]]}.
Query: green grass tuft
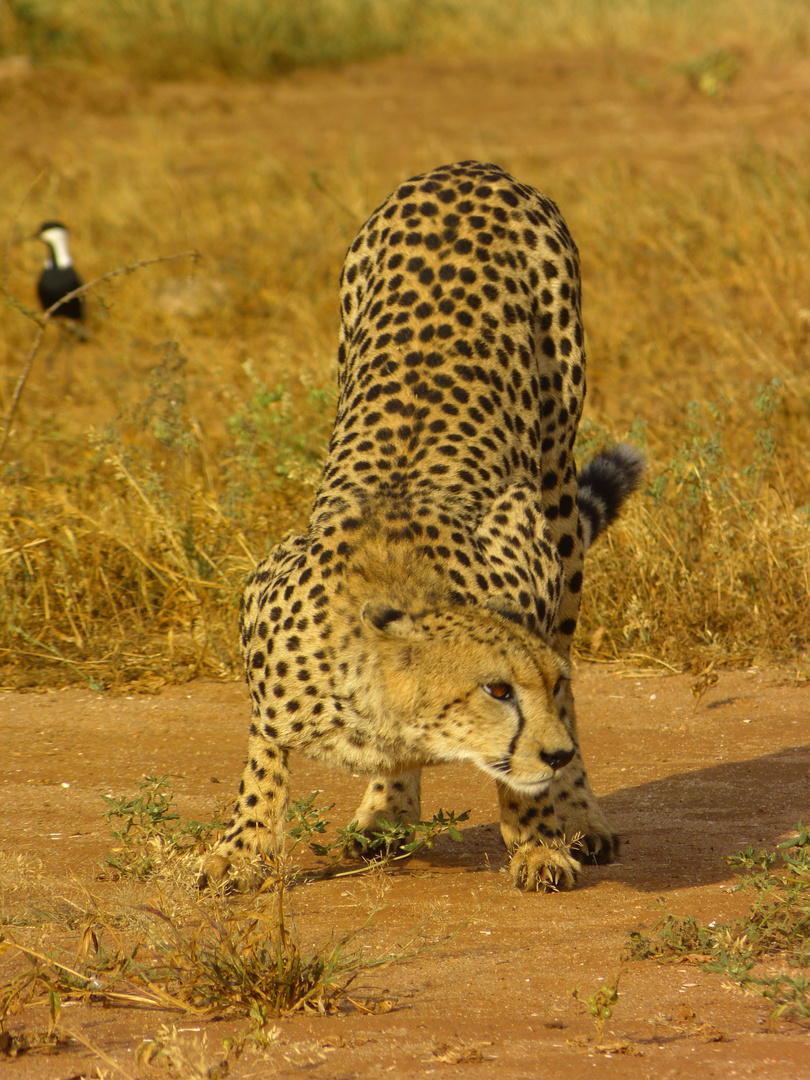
{"points": [[766, 951]]}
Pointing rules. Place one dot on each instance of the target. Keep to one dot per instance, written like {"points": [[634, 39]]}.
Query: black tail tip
{"points": [[613, 475]]}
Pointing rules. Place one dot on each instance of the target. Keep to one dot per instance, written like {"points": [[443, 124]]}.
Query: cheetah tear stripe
{"points": [[426, 615]]}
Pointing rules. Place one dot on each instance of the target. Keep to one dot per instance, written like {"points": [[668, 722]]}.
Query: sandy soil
{"points": [[686, 783]]}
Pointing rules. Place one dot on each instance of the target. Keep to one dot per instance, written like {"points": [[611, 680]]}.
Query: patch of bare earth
{"points": [[686, 782]]}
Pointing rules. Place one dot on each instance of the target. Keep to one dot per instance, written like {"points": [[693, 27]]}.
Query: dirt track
{"points": [[686, 784]]}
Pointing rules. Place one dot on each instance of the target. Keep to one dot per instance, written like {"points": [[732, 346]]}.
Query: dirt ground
{"points": [[686, 783]]}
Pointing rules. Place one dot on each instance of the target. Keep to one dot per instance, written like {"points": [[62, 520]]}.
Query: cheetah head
{"points": [[465, 683]]}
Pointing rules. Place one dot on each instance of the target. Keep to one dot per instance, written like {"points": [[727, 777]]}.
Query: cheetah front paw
{"points": [[587, 831], [543, 868], [597, 846]]}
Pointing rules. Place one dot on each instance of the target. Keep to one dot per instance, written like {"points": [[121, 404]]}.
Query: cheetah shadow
{"points": [[677, 831]]}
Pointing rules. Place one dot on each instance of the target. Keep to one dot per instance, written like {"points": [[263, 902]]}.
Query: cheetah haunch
{"points": [[427, 613]]}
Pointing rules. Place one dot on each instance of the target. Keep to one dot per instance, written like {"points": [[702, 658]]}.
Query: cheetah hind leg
{"points": [[388, 799], [243, 858]]}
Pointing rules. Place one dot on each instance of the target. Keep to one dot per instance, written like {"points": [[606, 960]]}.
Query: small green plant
{"points": [[774, 933], [149, 831], [389, 842], [601, 1003], [712, 73], [392, 840], [270, 422], [306, 821]]}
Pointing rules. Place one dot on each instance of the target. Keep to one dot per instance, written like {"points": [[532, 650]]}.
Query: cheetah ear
{"points": [[504, 605], [387, 620]]}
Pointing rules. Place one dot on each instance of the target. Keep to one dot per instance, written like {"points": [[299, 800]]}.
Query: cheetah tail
{"points": [[603, 485]]}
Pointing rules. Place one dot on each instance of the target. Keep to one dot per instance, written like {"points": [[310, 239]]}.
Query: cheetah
{"points": [[427, 613]]}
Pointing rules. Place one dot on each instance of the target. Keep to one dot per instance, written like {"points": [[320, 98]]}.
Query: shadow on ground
{"points": [[677, 831]]}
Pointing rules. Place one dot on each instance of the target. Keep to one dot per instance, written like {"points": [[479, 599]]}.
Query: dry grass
{"points": [[156, 942], [150, 467], [711, 313], [200, 957], [123, 562], [256, 38]]}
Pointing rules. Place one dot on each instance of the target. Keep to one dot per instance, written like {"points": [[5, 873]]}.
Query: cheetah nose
{"points": [[559, 759]]}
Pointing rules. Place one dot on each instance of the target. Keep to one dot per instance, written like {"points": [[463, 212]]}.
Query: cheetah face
{"points": [[466, 684], [528, 766]]}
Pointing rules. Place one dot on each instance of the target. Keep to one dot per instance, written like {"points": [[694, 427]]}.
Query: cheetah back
{"points": [[461, 371]]}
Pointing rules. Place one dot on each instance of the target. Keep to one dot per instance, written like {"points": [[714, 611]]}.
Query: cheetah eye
{"points": [[501, 691]]}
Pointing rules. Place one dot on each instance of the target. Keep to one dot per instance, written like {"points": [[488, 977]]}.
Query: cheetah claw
{"points": [[541, 868], [599, 848]]}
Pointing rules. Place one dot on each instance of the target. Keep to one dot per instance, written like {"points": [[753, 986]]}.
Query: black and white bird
{"points": [[59, 276]]}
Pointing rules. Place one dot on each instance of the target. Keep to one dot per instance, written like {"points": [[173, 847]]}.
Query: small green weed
{"points": [[712, 73], [601, 1003], [393, 840], [307, 820], [775, 933], [149, 831], [388, 843], [297, 433]]}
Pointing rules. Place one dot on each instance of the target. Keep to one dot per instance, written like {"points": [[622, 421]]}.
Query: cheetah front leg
{"points": [[550, 836], [388, 798], [256, 828], [581, 818], [541, 860]]}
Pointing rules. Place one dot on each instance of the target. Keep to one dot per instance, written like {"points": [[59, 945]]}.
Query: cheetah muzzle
{"points": [[426, 615]]}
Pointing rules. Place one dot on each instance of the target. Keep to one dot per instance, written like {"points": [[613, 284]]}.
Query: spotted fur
{"points": [[444, 553]]}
